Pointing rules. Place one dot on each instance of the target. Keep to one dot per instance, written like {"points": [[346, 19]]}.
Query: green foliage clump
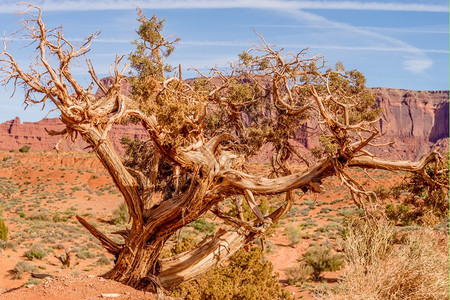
{"points": [[184, 244], [320, 259], [121, 215], [25, 149], [3, 231], [176, 108], [428, 203], [85, 253], [248, 275], [204, 226], [37, 251]]}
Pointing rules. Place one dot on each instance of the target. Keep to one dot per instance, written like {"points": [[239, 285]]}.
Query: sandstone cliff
{"points": [[14, 134], [416, 120]]}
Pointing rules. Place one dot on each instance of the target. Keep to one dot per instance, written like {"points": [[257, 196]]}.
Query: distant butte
{"points": [[416, 120]]}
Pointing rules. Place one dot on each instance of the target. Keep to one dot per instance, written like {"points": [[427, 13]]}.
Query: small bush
{"points": [[121, 215], [76, 188], [416, 270], [41, 216], [6, 245], [294, 234], [37, 251], [366, 243], [320, 259], [85, 253], [400, 214], [20, 268], [204, 226], [103, 261], [248, 275], [3, 231], [57, 217], [298, 274], [32, 281], [25, 149], [183, 245], [382, 192]]}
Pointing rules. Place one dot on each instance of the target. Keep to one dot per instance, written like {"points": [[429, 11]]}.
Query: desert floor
{"points": [[41, 192]]}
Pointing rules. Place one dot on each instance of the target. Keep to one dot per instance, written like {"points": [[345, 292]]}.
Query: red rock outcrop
{"points": [[14, 135], [416, 120]]}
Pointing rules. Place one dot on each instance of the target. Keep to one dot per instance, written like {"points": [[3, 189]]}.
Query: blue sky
{"points": [[397, 44]]}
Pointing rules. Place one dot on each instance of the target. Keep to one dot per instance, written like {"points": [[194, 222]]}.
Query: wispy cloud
{"points": [[417, 60], [369, 48], [87, 5], [427, 30]]}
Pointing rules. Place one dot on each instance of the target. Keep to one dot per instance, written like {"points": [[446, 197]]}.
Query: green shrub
{"points": [[183, 245], [76, 188], [204, 226], [6, 245], [248, 275], [25, 149], [320, 259], [20, 268], [41, 216], [294, 234], [37, 251], [121, 215], [32, 281], [3, 231], [401, 214], [425, 198], [103, 261], [85, 253], [57, 217]]}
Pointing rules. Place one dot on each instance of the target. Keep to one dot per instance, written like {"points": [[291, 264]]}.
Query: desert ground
{"points": [[41, 192]]}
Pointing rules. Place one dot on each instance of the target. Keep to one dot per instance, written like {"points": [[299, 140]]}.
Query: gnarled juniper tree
{"points": [[202, 132]]}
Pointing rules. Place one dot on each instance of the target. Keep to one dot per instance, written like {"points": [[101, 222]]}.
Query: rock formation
{"points": [[416, 120], [14, 135]]}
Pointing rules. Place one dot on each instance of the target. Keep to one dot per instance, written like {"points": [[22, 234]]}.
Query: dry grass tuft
{"points": [[417, 268]]}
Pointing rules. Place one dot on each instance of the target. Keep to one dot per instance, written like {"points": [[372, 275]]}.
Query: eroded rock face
{"points": [[14, 135], [417, 121]]}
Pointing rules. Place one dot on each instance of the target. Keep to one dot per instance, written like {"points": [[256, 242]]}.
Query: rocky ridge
{"points": [[417, 121]]}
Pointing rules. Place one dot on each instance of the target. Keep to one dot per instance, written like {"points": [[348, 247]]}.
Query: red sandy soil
{"points": [[88, 287]]}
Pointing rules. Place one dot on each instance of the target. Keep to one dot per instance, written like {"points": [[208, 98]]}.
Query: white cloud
{"points": [[417, 65], [85, 5]]}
